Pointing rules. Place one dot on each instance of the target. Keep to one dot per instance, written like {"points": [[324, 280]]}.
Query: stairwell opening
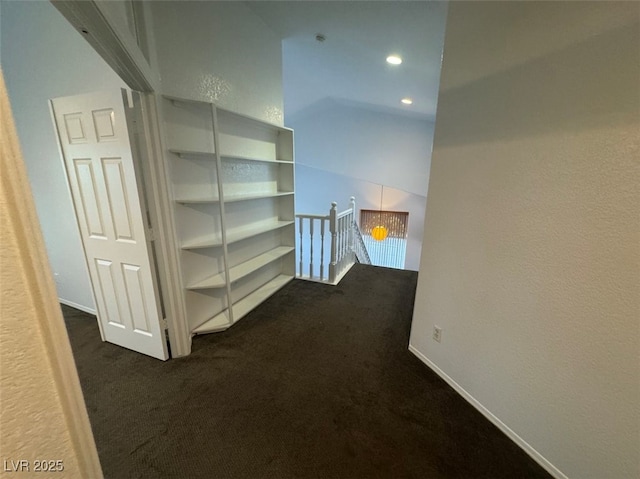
{"points": [[391, 251]]}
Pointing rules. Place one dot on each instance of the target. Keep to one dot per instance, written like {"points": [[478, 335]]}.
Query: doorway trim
{"points": [[154, 172], [113, 42]]}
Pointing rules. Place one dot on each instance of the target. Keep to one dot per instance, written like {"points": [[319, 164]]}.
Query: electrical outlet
{"points": [[437, 333]]}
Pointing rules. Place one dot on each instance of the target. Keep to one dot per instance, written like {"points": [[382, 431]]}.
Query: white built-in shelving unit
{"points": [[232, 181]]}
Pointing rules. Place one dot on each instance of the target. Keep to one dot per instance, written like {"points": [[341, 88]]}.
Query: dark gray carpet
{"points": [[315, 383]]}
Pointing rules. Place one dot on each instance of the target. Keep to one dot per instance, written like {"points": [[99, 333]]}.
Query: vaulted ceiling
{"points": [[350, 64]]}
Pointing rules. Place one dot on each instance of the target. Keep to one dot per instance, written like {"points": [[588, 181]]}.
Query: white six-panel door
{"points": [[94, 138]]}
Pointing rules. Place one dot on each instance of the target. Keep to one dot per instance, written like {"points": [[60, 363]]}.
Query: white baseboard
{"points": [[524, 445], [78, 306]]}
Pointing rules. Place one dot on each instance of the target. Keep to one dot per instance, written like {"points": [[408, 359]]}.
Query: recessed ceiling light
{"points": [[407, 101], [394, 59]]}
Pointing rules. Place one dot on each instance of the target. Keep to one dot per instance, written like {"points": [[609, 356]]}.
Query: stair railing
{"points": [[345, 242], [310, 221], [359, 248], [342, 256]]}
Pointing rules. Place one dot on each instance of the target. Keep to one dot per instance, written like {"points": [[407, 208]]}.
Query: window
{"points": [[391, 251]]}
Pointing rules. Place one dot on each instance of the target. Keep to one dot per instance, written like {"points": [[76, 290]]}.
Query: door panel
{"points": [[99, 163], [119, 209], [74, 128], [133, 280], [107, 293], [103, 123], [88, 203]]}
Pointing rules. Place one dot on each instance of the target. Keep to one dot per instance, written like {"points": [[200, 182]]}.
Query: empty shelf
{"points": [[233, 198], [188, 101], [221, 321], [205, 155], [246, 304], [196, 201], [243, 269], [223, 111], [235, 236], [244, 158], [193, 154], [252, 120]]}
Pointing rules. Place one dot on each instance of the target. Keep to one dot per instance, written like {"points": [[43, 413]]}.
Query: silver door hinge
{"points": [[164, 324]]}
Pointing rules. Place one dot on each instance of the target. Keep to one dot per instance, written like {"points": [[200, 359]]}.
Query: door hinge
{"points": [[151, 234], [164, 323]]}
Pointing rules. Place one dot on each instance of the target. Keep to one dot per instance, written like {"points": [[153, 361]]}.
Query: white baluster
{"points": [[300, 222], [339, 255], [342, 243], [311, 221], [345, 239], [338, 244], [352, 234], [322, 250], [334, 245], [345, 250]]}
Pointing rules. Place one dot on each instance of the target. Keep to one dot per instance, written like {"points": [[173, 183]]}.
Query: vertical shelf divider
{"points": [[225, 250]]}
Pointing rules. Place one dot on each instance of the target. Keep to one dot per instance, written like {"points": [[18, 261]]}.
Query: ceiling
{"points": [[350, 65]]}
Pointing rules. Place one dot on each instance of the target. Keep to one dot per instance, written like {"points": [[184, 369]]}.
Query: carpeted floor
{"points": [[315, 383]]}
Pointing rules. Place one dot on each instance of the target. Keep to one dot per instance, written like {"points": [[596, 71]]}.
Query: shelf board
{"points": [[241, 308], [244, 269], [235, 236], [193, 154], [248, 303], [253, 120], [244, 158], [206, 155], [186, 100], [258, 122], [219, 322], [234, 198], [196, 201]]}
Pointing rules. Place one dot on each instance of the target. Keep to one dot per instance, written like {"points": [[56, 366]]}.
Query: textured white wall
{"points": [[378, 147], [28, 433], [43, 57], [43, 414], [220, 52], [531, 258]]}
